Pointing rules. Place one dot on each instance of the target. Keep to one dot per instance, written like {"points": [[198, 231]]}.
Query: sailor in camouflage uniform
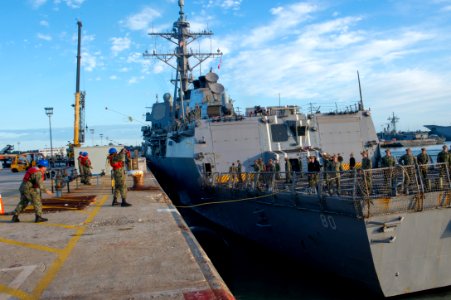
{"points": [[32, 185], [336, 168], [367, 174], [86, 167], [120, 186], [423, 160], [443, 158], [389, 162], [408, 161], [288, 170]]}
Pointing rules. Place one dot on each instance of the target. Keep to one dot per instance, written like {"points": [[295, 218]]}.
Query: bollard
{"points": [[138, 178]]}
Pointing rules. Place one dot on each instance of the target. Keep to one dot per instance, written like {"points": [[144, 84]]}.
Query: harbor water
{"points": [[254, 273]]}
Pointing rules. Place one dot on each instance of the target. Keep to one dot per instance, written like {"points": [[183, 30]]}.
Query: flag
{"points": [[220, 62]]}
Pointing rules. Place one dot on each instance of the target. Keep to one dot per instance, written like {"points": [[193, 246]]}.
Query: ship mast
{"points": [[182, 37], [393, 120], [360, 92]]}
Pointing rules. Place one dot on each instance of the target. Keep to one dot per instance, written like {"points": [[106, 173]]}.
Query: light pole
{"points": [[49, 113], [92, 135]]}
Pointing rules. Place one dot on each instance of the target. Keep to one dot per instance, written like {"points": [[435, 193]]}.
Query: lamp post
{"points": [[49, 113], [92, 135]]}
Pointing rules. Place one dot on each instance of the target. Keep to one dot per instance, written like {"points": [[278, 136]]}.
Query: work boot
{"points": [[40, 219], [114, 202], [125, 203], [15, 219]]}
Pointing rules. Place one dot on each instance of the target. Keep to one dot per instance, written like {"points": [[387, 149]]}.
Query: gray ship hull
{"points": [[442, 131], [391, 253]]}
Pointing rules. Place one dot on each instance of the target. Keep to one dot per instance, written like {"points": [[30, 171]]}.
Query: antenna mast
{"points": [[360, 92], [182, 37]]}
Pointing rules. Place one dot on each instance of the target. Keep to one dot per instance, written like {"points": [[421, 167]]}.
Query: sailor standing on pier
{"points": [[120, 186]]}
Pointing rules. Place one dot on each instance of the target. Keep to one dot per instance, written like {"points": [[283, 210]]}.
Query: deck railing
{"points": [[362, 187]]}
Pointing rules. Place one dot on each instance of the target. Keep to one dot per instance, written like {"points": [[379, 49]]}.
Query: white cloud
{"points": [[285, 19], [44, 23], [88, 61], [141, 20], [37, 3], [135, 58], [70, 3], [113, 77], [44, 37], [133, 80], [225, 4], [120, 44]]}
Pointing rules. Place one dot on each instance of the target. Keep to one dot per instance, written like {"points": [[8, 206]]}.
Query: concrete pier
{"points": [[145, 251]]}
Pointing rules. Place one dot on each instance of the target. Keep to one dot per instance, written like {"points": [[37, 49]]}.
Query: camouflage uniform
{"points": [[408, 161], [30, 192], [288, 171], [335, 166], [444, 158], [120, 185], [367, 174], [80, 167], [239, 170], [233, 174], [423, 160], [86, 170], [389, 163]]}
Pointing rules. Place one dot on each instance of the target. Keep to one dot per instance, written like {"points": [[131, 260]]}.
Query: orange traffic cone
{"points": [[2, 209]]}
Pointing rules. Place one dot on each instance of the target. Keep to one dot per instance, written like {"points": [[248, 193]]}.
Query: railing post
{"points": [[420, 177]]}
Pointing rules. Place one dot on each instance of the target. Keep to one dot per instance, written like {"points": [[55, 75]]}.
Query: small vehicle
{"points": [[21, 162]]}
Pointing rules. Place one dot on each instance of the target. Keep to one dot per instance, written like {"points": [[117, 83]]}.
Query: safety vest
{"points": [[115, 165], [30, 172], [84, 161]]}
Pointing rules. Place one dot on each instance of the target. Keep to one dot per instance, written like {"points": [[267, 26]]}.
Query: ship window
{"points": [[279, 133], [297, 130], [301, 130]]}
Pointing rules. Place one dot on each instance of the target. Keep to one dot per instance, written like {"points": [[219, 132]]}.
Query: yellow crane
{"points": [[79, 106]]}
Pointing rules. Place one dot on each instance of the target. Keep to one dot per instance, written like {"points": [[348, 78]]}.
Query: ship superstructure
{"points": [[387, 227]]}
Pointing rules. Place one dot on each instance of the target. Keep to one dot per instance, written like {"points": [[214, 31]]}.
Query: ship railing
{"points": [[404, 188]]}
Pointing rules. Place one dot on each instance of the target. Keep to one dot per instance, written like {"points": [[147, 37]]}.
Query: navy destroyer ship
{"points": [[390, 137], [388, 228]]}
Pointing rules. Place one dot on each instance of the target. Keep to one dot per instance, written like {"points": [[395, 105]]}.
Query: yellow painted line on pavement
{"points": [[64, 254], [30, 245], [60, 225], [14, 292]]}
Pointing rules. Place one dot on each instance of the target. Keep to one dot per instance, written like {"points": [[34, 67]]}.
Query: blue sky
{"points": [[306, 51]]}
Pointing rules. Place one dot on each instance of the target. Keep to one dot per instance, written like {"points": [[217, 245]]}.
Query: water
{"points": [[254, 273], [432, 150]]}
